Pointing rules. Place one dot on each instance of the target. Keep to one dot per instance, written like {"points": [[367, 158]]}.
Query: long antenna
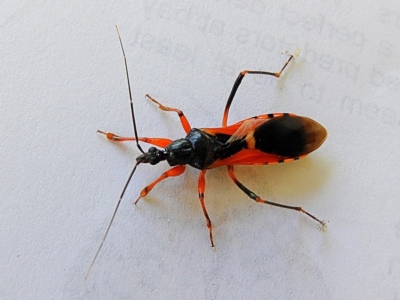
{"points": [[133, 169], [112, 220], [130, 92]]}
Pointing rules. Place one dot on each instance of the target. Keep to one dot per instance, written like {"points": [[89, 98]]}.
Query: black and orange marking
{"points": [[261, 140]]}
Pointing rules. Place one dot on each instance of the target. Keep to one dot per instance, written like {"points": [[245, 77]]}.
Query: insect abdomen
{"points": [[288, 136]]}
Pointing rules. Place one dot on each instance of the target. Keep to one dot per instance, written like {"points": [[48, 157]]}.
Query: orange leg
{"points": [[201, 189], [160, 142], [175, 171], [185, 123], [258, 199], [239, 81]]}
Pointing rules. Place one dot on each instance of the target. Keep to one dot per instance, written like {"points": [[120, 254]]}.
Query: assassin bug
{"points": [[261, 140]]}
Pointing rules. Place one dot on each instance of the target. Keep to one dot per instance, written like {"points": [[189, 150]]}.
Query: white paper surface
{"points": [[62, 77]]}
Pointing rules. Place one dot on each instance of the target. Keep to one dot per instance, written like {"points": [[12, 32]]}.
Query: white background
{"points": [[62, 77]]}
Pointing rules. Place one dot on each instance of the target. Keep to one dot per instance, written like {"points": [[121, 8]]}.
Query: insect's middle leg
{"points": [[175, 171], [201, 189], [256, 198], [184, 121], [239, 81]]}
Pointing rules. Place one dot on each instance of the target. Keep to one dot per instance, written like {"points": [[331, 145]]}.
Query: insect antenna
{"points": [[130, 92], [133, 169], [111, 220]]}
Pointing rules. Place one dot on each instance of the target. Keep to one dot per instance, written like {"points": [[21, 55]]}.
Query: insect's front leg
{"points": [[160, 142], [175, 171]]}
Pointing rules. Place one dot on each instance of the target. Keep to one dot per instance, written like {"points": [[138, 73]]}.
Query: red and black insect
{"points": [[261, 140]]}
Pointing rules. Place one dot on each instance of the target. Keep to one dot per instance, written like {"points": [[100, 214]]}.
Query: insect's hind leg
{"points": [[160, 142], [201, 189], [184, 121], [256, 198], [175, 171], [239, 81]]}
